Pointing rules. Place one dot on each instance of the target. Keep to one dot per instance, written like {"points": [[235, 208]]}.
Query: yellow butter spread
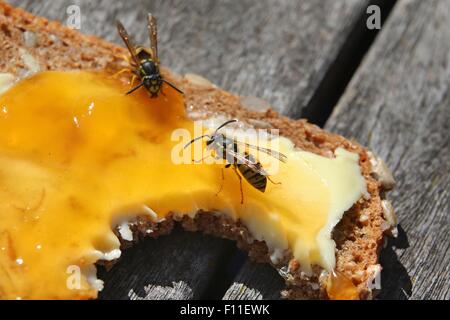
{"points": [[77, 156]]}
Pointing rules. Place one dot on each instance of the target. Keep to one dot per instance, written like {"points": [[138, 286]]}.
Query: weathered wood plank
{"points": [[398, 104], [279, 50]]}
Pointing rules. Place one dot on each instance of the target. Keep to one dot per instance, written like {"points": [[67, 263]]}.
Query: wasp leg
{"points": [[240, 184], [133, 71], [126, 58], [115, 75], [133, 79], [221, 184], [268, 178]]}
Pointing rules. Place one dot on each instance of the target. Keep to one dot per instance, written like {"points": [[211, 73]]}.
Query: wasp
{"points": [[145, 62], [243, 163]]}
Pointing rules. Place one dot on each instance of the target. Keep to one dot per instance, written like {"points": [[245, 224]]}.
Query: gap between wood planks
{"points": [[342, 69], [317, 111]]}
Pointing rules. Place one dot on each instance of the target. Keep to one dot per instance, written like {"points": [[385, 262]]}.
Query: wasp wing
{"points": [[277, 155], [247, 161], [153, 34], [126, 38]]}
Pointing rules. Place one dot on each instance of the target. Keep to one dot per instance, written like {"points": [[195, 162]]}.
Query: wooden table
{"points": [[389, 89]]}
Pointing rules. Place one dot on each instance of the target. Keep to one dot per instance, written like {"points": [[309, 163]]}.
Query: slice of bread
{"points": [[31, 44]]}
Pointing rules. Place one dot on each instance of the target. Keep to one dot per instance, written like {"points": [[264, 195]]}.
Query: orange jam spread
{"points": [[339, 287], [77, 156]]}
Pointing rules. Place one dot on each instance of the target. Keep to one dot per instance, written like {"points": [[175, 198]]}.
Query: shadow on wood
{"points": [[144, 272], [255, 281], [395, 281]]}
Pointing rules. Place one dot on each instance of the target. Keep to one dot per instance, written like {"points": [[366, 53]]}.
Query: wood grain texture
{"points": [[279, 50], [398, 104]]}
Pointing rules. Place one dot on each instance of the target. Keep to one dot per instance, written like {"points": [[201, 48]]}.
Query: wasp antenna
{"points": [[135, 88], [195, 139], [225, 124], [173, 86]]}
